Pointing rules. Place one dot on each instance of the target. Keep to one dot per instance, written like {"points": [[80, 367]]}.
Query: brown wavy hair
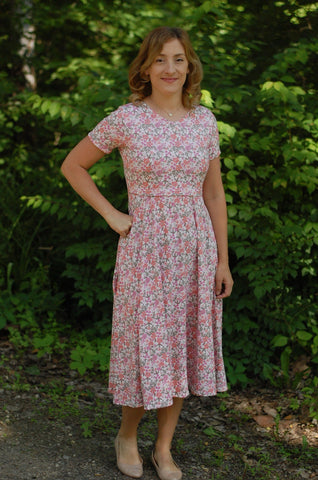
{"points": [[151, 47]]}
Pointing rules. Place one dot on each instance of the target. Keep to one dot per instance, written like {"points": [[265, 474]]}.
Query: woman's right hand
{"points": [[119, 222]]}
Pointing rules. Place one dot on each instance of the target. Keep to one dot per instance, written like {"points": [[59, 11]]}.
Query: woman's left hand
{"points": [[223, 281]]}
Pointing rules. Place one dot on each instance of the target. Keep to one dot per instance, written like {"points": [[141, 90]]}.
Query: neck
{"points": [[170, 103]]}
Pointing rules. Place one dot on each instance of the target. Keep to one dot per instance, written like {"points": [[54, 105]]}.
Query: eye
{"points": [[159, 60], [180, 60]]}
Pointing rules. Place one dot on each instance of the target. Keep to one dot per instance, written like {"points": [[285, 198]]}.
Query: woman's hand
{"points": [[223, 281], [120, 222]]}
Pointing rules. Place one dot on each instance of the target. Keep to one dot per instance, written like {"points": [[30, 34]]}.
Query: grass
{"points": [[80, 406]]}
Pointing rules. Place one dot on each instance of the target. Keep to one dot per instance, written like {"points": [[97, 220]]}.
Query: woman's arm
{"points": [[214, 199], [75, 168]]}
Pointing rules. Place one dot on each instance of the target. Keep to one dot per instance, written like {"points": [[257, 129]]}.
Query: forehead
{"points": [[172, 47]]}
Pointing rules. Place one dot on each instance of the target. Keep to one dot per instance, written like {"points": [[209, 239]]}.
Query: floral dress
{"points": [[166, 337]]}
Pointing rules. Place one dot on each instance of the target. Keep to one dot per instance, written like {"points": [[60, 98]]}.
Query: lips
{"points": [[169, 80]]}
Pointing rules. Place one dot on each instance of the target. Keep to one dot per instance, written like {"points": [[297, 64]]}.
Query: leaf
{"points": [[285, 359], [297, 90], [228, 162], [45, 206], [84, 81], [241, 160], [229, 198], [279, 341], [211, 432], [226, 129], [279, 86], [54, 109], [45, 106], [239, 252], [206, 99], [37, 203], [232, 211], [54, 208], [80, 367], [304, 336], [65, 112], [75, 118], [259, 291], [76, 355], [267, 85]]}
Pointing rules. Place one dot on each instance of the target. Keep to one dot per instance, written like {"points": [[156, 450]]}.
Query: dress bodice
{"points": [[160, 157]]}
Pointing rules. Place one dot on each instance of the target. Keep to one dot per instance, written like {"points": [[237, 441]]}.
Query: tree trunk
{"points": [[27, 41]]}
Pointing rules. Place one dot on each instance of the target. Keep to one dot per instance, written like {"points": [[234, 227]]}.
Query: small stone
{"points": [[264, 421], [270, 411], [100, 395], [303, 473]]}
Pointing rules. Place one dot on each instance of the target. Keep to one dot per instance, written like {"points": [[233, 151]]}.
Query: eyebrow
{"points": [[176, 55]]}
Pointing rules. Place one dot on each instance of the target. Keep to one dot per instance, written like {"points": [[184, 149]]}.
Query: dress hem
{"points": [[165, 404]]}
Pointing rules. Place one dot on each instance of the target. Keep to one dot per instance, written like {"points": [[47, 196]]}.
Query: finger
{"points": [[222, 295], [126, 232], [218, 286], [227, 289]]}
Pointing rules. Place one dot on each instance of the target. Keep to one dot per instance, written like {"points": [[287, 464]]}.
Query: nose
{"points": [[170, 66]]}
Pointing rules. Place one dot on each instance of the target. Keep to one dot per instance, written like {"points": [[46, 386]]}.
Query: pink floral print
{"points": [[167, 323]]}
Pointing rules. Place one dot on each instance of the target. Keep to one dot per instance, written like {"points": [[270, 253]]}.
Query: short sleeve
{"points": [[214, 145], [109, 133]]}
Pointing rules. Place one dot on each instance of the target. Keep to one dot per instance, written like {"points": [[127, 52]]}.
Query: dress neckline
{"points": [[153, 112]]}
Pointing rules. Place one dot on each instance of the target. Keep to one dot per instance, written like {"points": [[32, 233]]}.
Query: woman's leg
{"points": [[167, 422], [128, 435]]}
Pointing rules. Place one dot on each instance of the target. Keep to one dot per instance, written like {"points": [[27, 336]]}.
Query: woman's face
{"points": [[168, 72]]}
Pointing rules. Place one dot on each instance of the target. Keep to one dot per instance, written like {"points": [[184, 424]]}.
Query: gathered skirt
{"points": [[167, 323]]}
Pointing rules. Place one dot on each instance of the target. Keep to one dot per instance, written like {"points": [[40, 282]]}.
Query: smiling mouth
{"points": [[169, 80]]}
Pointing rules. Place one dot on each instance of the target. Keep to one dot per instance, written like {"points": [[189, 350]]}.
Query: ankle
{"points": [[162, 449], [127, 437]]}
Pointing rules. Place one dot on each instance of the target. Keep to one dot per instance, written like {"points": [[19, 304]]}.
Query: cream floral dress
{"points": [[166, 338]]}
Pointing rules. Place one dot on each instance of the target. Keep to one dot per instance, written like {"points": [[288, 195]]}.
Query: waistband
{"points": [[164, 194]]}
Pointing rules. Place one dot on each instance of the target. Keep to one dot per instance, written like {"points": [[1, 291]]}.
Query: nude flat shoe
{"points": [[134, 471], [165, 473]]}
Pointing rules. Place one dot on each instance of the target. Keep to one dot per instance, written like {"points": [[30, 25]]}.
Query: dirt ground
{"points": [[57, 425]]}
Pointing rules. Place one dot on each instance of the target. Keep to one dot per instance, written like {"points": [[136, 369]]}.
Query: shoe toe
{"points": [[134, 471], [164, 473]]}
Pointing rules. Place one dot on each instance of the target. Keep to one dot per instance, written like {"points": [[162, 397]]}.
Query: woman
{"points": [[172, 268]]}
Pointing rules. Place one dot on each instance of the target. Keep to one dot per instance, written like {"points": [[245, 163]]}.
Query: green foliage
{"points": [[266, 113], [57, 255], [91, 355]]}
